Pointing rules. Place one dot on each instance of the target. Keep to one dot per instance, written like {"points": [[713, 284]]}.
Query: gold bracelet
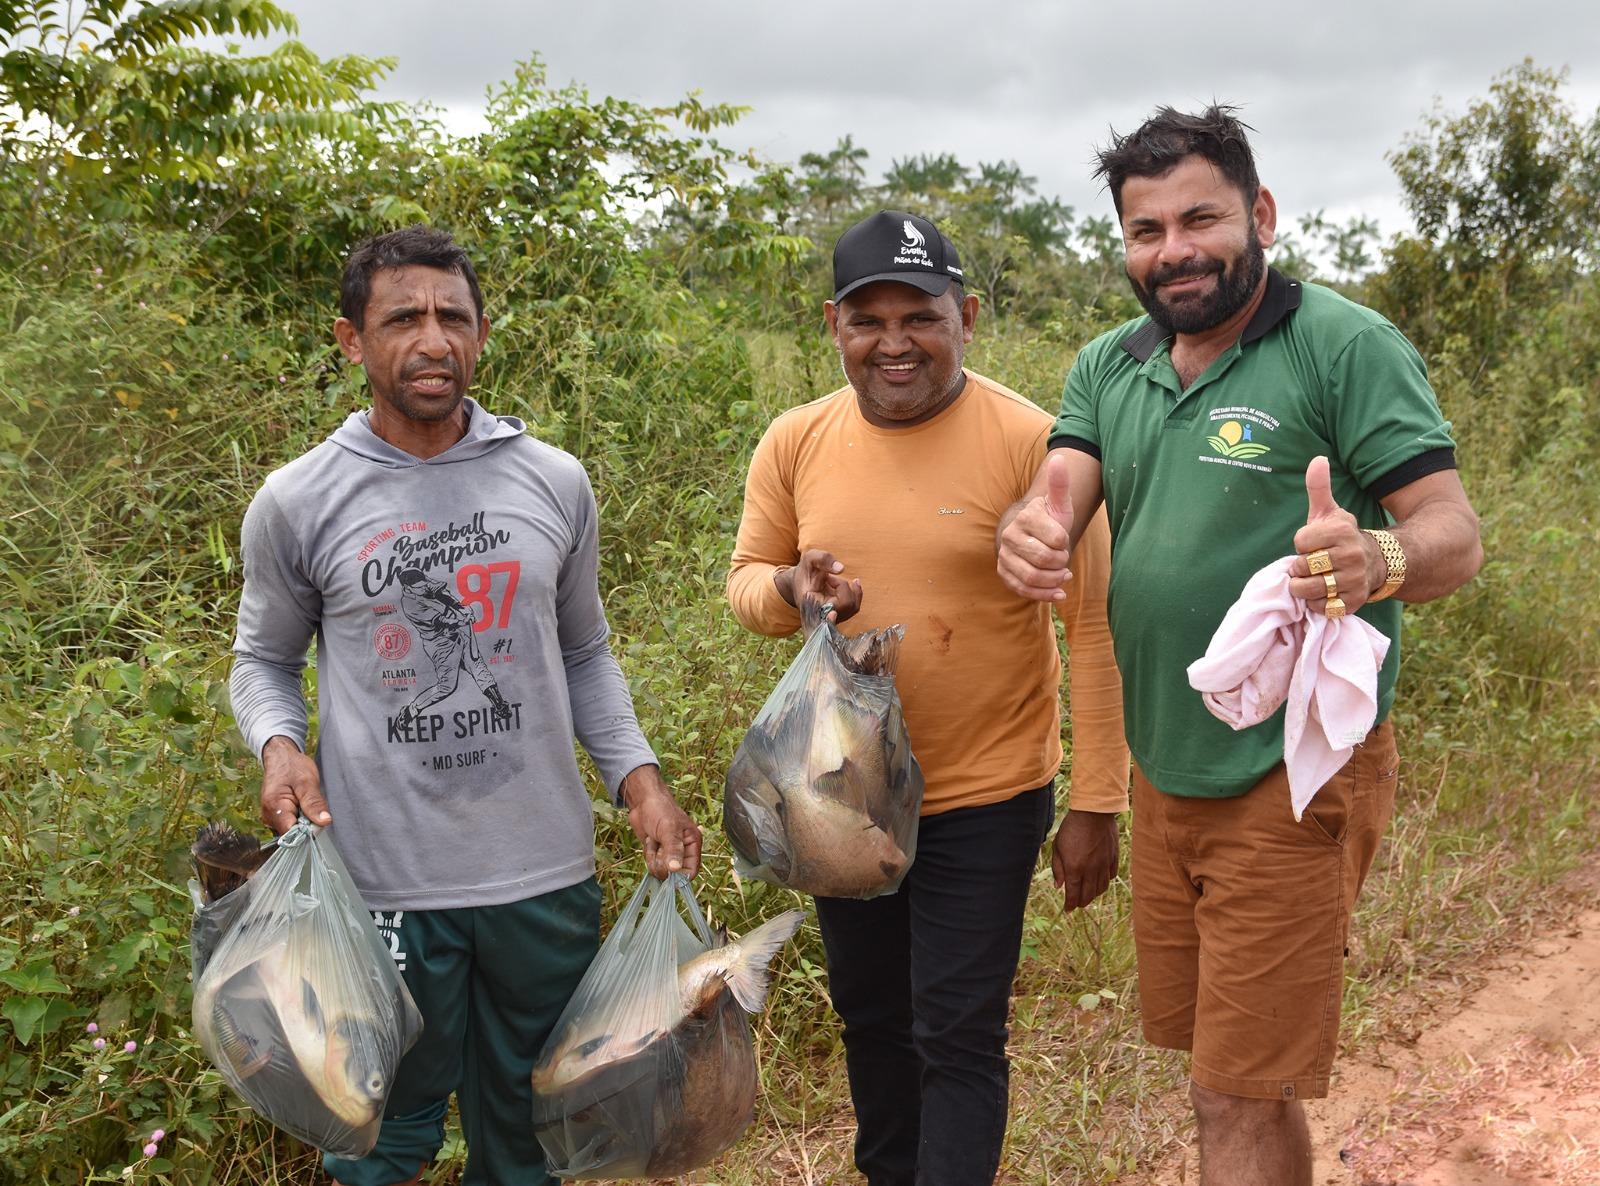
{"points": [[1394, 559]]}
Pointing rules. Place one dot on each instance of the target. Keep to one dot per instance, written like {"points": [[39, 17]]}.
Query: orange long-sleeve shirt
{"points": [[911, 512]]}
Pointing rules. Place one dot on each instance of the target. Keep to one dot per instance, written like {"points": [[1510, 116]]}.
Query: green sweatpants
{"points": [[490, 982]]}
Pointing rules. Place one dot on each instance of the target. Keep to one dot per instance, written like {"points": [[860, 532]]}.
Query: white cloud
{"points": [[1329, 89]]}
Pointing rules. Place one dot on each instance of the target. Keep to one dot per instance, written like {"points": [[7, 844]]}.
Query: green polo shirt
{"points": [[1207, 485]]}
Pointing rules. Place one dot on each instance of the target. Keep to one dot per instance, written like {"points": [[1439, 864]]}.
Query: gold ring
{"points": [[1334, 608], [1319, 561], [1333, 589]]}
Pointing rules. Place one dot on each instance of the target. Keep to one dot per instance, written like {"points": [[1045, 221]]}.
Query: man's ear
{"points": [[969, 316], [830, 314], [349, 338], [1266, 216]]}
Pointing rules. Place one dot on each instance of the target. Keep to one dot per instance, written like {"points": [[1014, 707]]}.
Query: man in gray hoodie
{"points": [[424, 538]]}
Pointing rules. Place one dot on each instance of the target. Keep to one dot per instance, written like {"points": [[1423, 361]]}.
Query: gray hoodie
{"points": [[461, 645]]}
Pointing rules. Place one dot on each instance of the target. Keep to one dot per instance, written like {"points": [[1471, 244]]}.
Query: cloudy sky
{"points": [[1329, 88]]}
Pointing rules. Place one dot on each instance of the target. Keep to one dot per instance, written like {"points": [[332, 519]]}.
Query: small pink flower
{"points": [[129, 1047], [98, 287], [224, 358], [150, 1149], [158, 1134], [73, 913], [142, 305], [44, 267], [99, 1043], [93, 1027], [99, 271], [282, 379]]}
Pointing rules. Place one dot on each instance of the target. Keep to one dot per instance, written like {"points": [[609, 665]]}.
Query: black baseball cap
{"points": [[894, 245]]}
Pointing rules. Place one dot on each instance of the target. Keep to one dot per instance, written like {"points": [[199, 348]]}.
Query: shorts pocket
{"points": [[1327, 816]]}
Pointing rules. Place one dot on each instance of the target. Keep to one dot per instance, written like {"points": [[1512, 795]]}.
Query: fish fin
{"points": [[771, 847], [312, 1006], [225, 858], [215, 883], [747, 796], [240, 1049], [747, 977]]}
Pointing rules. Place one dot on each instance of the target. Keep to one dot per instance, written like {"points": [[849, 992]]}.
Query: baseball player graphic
{"points": [[445, 627]]}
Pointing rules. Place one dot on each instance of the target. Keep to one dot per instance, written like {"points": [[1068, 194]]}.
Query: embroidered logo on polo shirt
{"points": [[1236, 437]]}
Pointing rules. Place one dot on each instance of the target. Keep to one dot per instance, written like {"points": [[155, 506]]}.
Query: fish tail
{"points": [[747, 977], [224, 858]]}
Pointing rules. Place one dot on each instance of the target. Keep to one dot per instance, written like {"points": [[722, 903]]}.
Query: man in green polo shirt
{"points": [[1247, 417]]}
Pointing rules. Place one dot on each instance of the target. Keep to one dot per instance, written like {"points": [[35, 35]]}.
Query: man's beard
{"points": [[907, 403], [1235, 286], [426, 413], [422, 410]]}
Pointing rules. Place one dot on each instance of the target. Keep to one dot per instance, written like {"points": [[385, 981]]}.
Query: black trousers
{"points": [[922, 980]]}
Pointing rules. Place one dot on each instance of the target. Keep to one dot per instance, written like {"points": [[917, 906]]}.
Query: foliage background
{"points": [[172, 222]]}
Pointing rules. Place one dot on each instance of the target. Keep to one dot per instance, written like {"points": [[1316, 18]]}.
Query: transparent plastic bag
{"points": [[824, 793], [650, 1071], [296, 998]]}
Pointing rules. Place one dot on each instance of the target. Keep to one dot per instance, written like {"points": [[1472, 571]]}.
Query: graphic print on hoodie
{"points": [[461, 645], [440, 620]]}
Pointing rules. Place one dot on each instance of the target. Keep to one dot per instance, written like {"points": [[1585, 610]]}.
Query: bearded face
{"points": [[1196, 294], [1195, 249]]}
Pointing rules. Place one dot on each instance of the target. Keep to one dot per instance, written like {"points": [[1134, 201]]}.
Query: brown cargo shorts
{"points": [[1241, 918]]}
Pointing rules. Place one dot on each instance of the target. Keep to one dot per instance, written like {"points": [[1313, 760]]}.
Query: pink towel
{"points": [[1268, 650]]}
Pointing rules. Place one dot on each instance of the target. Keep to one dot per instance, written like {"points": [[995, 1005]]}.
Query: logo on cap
{"points": [[913, 248]]}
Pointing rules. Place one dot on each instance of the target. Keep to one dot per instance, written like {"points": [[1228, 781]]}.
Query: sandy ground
{"points": [[1500, 1089]]}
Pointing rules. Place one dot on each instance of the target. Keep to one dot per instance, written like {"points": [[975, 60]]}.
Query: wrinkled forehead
{"points": [[421, 287], [1192, 183]]}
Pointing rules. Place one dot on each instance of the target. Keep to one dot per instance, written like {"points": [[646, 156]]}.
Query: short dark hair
{"points": [[423, 246], [1163, 141]]}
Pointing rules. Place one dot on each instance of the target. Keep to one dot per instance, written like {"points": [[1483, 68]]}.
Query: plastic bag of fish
{"points": [[824, 792], [296, 998], [650, 1071]]}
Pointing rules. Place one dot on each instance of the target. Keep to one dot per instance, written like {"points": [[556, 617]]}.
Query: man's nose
{"points": [[1176, 246], [433, 341], [893, 339]]}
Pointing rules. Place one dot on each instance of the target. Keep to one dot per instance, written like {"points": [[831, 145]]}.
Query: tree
{"points": [[1345, 250], [836, 178], [925, 176], [105, 106], [1511, 180], [1506, 206]]}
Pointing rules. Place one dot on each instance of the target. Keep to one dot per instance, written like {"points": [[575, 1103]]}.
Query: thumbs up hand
{"points": [[1338, 565], [1057, 497], [1034, 546]]}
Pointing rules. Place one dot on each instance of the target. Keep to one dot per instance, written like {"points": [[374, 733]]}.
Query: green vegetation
{"points": [[171, 226]]}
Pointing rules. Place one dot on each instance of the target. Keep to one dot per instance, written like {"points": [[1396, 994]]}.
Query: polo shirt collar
{"points": [[1281, 299]]}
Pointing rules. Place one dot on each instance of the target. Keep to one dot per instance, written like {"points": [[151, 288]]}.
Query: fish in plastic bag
{"points": [[824, 792], [296, 998], [650, 1071]]}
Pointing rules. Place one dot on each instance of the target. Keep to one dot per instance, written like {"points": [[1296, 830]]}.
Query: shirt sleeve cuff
{"points": [[1096, 794]]}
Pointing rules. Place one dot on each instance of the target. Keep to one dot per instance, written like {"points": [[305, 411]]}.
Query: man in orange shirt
{"points": [[883, 498]]}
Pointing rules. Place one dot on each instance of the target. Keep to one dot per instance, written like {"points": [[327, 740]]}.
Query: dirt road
{"points": [[1500, 1089]]}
